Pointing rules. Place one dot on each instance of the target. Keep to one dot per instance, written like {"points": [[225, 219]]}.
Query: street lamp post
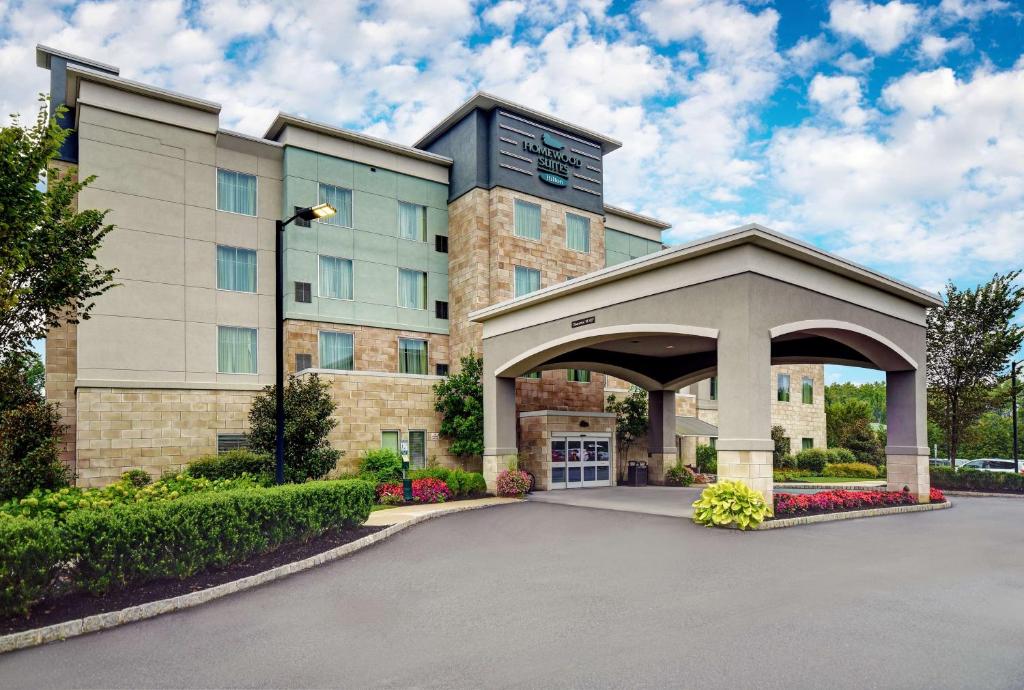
{"points": [[307, 214], [1013, 411]]}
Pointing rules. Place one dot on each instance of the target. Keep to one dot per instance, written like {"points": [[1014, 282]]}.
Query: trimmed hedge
{"points": [[232, 465], [121, 545], [459, 482], [976, 480], [851, 469], [813, 459], [383, 463]]}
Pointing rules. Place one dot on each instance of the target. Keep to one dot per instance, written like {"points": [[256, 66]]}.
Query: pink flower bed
{"points": [[427, 490], [841, 499]]}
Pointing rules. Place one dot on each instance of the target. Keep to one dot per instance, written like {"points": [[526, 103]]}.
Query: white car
{"points": [[991, 465]]}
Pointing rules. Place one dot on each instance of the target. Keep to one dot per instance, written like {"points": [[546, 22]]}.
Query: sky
{"points": [[889, 133]]}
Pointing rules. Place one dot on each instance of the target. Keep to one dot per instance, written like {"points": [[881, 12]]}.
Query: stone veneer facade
{"points": [[536, 430]]}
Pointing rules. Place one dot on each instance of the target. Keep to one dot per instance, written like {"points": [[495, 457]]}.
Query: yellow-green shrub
{"points": [[730, 503], [851, 469]]}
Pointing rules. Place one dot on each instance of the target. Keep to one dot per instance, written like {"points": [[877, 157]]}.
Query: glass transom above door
{"points": [[579, 462]]}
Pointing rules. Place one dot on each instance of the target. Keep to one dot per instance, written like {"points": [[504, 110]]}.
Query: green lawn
{"points": [[831, 480], [377, 506]]}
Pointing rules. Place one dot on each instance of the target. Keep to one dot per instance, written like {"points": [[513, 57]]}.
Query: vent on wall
{"points": [[303, 292], [226, 442], [441, 369], [303, 361], [441, 243], [440, 310]]}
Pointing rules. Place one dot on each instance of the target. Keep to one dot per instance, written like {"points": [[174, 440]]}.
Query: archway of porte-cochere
{"points": [[730, 305]]}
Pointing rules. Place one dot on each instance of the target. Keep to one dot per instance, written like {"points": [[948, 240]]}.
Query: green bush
{"points": [[976, 480], [787, 462], [460, 483], [382, 463], [839, 456], [137, 478], [678, 475], [730, 503], [234, 464], [131, 543], [30, 450], [861, 470], [813, 459], [707, 459], [31, 554], [789, 475]]}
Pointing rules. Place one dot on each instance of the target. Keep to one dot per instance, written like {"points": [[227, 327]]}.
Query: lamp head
{"points": [[317, 212]]}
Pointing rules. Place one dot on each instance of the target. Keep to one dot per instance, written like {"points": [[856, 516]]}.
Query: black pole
{"points": [[1013, 410], [279, 350]]}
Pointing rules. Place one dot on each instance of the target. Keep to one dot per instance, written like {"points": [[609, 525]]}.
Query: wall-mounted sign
{"points": [[553, 161], [586, 321]]}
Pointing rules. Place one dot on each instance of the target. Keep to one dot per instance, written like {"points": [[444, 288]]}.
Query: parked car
{"points": [[990, 465]]}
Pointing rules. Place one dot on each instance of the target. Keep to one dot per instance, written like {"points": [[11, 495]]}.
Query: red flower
{"points": [[838, 499]]}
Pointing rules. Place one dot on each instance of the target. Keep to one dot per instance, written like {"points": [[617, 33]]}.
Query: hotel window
{"points": [[391, 440], [303, 361], [577, 232], [412, 289], [578, 375], [412, 356], [412, 222], [713, 442], [236, 350], [714, 388], [527, 280], [335, 277], [341, 199], [806, 443], [336, 350], [236, 192], [783, 388], [527, 219], [226, 442], [417, 449], [236, 269], [807, 389], [303, 292], [531, 375], [440, 310]]}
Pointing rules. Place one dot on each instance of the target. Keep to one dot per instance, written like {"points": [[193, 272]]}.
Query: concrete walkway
{"points": [[394, 516], [672, 501]]}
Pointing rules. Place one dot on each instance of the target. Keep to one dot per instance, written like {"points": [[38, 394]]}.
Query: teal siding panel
{"points": [[613, 258], [412, 189], [299, 163], [335, 171], [412, 254], [616, 241], [367, 312], [637, 246], [375, 213], [375, 181], [334, 241], [376, 283], [375, 248], [437, 196]]}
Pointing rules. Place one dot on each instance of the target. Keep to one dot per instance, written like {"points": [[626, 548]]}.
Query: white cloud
{"points": [[840, 97], [808, 52], [880, 27], [504, 14], [848, 62], [933, 46], [971, 9]]}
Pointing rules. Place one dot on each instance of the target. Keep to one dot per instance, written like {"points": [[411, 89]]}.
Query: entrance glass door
{"points": [[580, 462]]}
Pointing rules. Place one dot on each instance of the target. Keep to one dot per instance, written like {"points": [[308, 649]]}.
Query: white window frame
{"points": [[343, 258], [351, 334], [256, 352], [248, 249], [426, 232], [398, 288], [256, 202], [319, 200]]}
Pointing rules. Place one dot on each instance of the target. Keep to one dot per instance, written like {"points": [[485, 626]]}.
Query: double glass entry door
{"points": [[579, 462]]}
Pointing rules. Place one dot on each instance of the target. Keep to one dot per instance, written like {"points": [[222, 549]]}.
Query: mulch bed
{"points": [[79, 604]]}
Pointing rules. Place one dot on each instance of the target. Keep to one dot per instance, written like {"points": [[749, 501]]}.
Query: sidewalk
{"points": [[394, 516]]}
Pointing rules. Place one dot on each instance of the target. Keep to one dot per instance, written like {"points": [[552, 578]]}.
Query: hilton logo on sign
{"points": [[553, 163]]}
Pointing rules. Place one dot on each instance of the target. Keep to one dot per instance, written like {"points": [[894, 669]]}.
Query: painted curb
{"points": [[982, 494], [112, 619], [851, 515]]}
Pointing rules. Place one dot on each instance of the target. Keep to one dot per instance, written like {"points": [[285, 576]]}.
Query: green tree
{"points": [[631, 421], [781, 442], [459, 398], [871, 393], [971, 339], [989, 437], [308, 410], [848, 425], [48, 269]]}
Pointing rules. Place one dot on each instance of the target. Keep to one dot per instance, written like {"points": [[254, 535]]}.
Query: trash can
{"points": [[636, 473]]}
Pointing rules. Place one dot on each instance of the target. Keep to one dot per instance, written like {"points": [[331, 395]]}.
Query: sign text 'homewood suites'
{"points": [[553, 161]]}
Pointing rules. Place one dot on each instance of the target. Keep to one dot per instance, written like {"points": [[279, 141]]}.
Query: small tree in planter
{"points": [[459, 399], [631, 422]]}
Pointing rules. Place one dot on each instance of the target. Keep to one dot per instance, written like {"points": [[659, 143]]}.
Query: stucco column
{"points": [[744, 408], [906, 452], [499, 427], [661, 434]]}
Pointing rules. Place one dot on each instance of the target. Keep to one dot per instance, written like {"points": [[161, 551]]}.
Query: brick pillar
{"points": [[906, 455]]}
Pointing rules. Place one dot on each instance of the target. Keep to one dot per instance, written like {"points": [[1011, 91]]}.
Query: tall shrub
{"points": [[459, 398], [781, 443], [308, 410], [631, 422]]}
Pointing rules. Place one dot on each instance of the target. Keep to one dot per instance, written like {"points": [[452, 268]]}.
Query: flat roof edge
{"points": [[45, 52], [143, 89], [638, 217], [286, 119]]}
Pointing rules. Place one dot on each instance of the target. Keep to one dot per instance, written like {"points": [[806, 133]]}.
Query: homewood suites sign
{"points": [[553, 160]]}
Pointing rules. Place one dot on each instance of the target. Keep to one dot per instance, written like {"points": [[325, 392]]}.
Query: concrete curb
{"points": [[982, 494], [851, 515], [112, 619]]}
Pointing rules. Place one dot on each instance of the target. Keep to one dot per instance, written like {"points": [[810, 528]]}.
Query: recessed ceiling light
{"points": [[669, 347], [634, 341]]}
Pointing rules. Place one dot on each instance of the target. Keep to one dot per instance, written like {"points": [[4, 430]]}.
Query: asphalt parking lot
{"points": [[555, 596]]}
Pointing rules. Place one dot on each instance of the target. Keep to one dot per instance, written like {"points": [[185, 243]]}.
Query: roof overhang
{"points": [[45, 54], [637, 217], [692, 426], [286, 120], [751, 234], [482, 100], [77, 74]]}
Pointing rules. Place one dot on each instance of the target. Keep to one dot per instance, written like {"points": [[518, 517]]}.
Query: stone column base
{"points": [[908, 472], [493, 466], [657, 466], [752, 467]]}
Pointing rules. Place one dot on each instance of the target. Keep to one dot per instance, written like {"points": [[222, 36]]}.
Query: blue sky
{"points": [[891, 133]]}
